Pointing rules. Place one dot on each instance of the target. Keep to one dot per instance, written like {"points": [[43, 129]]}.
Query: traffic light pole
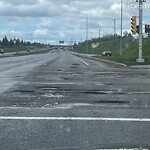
{"points": [[140, 59], [121, 27]]}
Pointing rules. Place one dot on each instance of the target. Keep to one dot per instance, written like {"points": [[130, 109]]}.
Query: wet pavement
{"points": [[74, 102]]}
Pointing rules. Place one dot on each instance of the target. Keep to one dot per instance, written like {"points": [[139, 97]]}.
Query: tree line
{"points": [[5, 42]]}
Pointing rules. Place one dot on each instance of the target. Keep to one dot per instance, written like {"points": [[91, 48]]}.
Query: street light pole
{"points": [[99, 33], [114, 31], [140, 59], [86, 32], [114, 26]]}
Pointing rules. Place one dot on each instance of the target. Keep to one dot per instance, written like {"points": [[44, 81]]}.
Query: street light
{"points": [[86, 31]]}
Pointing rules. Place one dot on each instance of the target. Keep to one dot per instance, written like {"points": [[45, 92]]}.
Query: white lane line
{"points": [[54, 83], [76, 119], [82, 61]]}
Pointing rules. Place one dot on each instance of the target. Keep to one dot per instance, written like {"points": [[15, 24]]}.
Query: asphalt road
{"points": [[61, 101]]}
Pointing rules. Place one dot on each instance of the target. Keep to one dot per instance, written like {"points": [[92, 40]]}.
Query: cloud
{"points": [[56, 19], [40, 8], [19, 2], [40, 32]]}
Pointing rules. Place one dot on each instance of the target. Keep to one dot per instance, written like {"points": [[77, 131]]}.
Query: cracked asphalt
{"points": [[60, 85]]}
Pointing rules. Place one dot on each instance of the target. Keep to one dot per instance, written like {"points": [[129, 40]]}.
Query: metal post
{"points": [[114, 26], [72, 38], [99, 33], [140, 59], [87, 33], [121, 27], [114, 30]]}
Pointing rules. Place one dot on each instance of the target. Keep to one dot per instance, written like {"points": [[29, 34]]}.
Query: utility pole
{"points": [[91, 35], [72, 38], [99, 33], [121, 27], [140, 59], [114, 30], [114, 26]]}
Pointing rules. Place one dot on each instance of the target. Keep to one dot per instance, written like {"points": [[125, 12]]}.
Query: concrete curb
{"points": [[141, 67]]}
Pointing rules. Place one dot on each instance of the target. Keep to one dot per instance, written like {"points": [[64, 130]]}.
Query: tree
{"points": [[11, 43], [5, 42], [125, 33]]}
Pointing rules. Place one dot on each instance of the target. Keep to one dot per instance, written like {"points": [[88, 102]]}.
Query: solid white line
{"points": [[83, 61], [76, 119], [53, 83]]}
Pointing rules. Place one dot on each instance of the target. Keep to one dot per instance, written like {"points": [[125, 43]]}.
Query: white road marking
{"points": [[53, 83], [82, 61], [76, 119]]}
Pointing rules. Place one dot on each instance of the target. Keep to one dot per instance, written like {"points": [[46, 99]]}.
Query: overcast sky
{"points": [[50, 21]]}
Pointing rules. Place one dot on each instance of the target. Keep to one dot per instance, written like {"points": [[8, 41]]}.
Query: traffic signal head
{"points": [[137, 29], [133, 24], [147, 28]]}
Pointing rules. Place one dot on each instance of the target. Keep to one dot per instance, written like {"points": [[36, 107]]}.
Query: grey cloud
{"points": [[20, 2], [64, 15]]}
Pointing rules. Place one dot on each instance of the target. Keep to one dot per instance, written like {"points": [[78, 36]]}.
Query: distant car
{"points": [[1, 51], [106, 53], [28, 50]]}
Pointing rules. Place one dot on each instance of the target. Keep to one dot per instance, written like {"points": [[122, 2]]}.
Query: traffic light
{"points": [[133, 24], [137, 29], [147, 28]]}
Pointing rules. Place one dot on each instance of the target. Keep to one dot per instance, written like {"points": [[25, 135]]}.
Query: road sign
{"points": [[94, 45]]}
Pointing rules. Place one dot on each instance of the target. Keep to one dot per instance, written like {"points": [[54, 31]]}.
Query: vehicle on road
{"points": [[28, 50], [106, 53], [1, 51]]}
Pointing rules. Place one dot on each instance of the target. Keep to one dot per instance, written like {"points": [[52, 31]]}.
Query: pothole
{"points": [[24, 91], [59, 70], [75, 64], [73, 67], [65, 78], [113, 102], [97, 92]]}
